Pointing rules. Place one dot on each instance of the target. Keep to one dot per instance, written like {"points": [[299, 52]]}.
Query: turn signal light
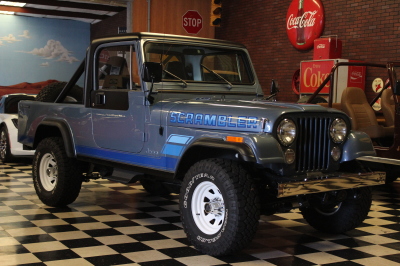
{"points": [[234, 139]]}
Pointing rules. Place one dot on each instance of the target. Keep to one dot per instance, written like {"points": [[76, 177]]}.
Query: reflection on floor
{"points": [[114, 224]]}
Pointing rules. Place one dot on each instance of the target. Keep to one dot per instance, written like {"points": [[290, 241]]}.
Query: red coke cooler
{"points": [[327, 48]]}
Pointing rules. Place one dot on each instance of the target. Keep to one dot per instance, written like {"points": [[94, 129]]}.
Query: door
{"points": [[118, 102]]}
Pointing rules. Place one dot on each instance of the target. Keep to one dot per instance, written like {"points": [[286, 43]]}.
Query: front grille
{"points": [[313, 144]]}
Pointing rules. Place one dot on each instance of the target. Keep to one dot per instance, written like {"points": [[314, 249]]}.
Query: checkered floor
{"points": [[115, 224]]}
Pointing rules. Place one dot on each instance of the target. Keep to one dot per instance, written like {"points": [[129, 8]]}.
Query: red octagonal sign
{"points": [[192, 22]]}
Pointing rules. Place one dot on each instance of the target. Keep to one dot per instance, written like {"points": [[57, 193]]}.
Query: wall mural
{"points": [[38, 49]]}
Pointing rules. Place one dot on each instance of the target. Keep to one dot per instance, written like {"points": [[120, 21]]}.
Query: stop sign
{"points": [[192, 22]]}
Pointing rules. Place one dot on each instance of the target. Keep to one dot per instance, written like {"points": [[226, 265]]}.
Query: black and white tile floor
{"points": [[116, 224]]}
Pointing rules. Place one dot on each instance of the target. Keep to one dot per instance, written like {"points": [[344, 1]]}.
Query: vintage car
{"points": [[9, 146], [188, 115], [379, 117]]}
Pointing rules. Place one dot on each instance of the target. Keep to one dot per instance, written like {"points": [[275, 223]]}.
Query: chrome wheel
{"points": [[208, 208], [48, 172], [3, 144], [329, 211]]}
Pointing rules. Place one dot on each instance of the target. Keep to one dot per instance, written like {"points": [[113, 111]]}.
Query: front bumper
{"points": [[319, 182]]}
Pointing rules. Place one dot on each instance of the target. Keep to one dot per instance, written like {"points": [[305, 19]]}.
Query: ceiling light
{"points": [[6, 13], [7, 3]]}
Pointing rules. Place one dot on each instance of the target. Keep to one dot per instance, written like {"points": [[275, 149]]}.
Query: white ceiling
{"points": [[90, 11]]}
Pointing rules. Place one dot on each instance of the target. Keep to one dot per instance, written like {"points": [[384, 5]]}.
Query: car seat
{"points": [[388, 106], [355, 104]]}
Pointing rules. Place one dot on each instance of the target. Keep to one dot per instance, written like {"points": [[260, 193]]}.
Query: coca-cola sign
{"points": [[304, 22]]}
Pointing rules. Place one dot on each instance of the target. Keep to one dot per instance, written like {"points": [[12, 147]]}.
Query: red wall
{"points": [[108, 26], [370, 31]]}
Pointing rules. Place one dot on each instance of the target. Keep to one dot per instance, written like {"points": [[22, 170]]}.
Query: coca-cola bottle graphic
{"points": [[300, 28]]}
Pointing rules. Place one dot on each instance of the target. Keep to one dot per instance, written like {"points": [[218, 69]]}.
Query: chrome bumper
{"points": [[316, 183]]}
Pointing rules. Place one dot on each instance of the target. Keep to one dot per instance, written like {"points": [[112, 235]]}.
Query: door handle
{"points": [[100, 99]]}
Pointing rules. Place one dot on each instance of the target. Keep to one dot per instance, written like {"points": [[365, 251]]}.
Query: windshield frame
{"points": [[193, 47]]}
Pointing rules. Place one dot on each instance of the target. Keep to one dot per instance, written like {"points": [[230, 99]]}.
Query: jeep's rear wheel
{"points": [[56, 177], [338, 216], [219, 206]]}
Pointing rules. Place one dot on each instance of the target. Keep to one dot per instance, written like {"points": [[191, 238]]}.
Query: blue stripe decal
{"points": [[179, 139], [161, 163], [171, 149]]}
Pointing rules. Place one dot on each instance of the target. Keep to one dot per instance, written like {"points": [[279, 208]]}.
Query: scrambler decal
{"points": [[214, 120]]}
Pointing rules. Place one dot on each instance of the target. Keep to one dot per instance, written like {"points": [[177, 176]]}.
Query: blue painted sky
{"points": [[38, 49]]}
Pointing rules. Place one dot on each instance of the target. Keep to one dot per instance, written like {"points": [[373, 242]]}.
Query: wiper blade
{"points": [[219, 76], [175, 76]]}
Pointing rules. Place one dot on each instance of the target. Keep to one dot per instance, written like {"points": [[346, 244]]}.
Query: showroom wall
{"points": [[108, 26], [166, 16], [370, 31], [39, 49]]}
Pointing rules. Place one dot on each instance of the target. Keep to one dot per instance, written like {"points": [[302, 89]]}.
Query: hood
{"points": [[248, 116]]}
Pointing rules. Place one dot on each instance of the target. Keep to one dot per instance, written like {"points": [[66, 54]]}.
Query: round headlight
{"points": [[338, 130], [286, 131]]}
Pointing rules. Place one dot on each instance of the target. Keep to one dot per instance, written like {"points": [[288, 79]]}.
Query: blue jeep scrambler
{"points": [[187, 115]]}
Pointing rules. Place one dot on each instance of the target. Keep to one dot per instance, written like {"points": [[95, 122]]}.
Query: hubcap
{"points": [[329, 211], [3, 144], [48, 172], [208, 208]]}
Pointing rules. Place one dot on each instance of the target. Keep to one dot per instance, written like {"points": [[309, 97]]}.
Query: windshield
{"points": [[200, 63]]}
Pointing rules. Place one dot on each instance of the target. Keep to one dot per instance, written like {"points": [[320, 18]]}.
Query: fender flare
{"points": [[242, 148], [358, 144], [66, 134], [186, 159]]}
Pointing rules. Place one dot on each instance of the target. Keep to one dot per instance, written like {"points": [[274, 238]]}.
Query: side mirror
{"points": [[274, 88], [152, 72]]}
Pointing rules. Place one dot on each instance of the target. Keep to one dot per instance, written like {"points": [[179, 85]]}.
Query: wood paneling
{"points": [[166, 16]]}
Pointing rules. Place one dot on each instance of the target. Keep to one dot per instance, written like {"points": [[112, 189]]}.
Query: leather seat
{"points": [[388, 106], [354, 104]]}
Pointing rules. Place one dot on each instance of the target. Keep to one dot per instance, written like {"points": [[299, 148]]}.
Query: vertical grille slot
{"points": [[312, 146]]}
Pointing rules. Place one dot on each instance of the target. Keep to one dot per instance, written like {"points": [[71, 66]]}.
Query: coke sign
{"points": [[313, 74], [304, 23], [192, 22]]}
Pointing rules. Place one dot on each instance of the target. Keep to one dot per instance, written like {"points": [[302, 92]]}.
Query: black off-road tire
{"points": [[224, 190], [349, 214], [50, 92], [5, 152], [154, 187], [57, 178], [392, 173]]}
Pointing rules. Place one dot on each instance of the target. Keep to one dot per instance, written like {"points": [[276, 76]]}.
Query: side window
{"points": [[117, 68]]}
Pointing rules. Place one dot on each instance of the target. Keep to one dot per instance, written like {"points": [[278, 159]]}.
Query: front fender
{"points": [[266, 149], [358, 144], [257, 148]]}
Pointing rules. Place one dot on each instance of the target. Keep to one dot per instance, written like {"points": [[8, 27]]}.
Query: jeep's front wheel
{"points": [[335, 216], [219, 206], [56, 177]]}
